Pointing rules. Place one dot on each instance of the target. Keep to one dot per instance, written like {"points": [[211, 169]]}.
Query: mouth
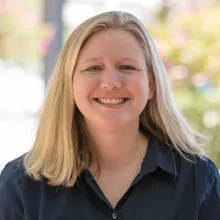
{"points": [[111, 101]]}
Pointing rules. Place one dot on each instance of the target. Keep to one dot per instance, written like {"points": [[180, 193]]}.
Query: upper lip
{"points": [[111, 98]]}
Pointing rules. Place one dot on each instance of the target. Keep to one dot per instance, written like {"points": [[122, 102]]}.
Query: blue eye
{"points": [[127, 67], [94, 68]]}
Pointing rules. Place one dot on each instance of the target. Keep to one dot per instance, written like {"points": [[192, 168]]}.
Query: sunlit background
{"points": [[32, 32]]}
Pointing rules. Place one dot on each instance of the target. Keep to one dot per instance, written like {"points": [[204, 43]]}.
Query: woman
{"points": [[111, 143]]}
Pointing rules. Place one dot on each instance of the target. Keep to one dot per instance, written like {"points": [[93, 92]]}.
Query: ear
{"points": [[152, 86]]}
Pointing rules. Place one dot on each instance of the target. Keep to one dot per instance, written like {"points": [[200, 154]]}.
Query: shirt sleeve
{"points": [[210, 208], [10, 194]]}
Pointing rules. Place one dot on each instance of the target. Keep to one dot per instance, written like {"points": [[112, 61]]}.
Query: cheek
{"points": [[140, 89], [83, 88]]}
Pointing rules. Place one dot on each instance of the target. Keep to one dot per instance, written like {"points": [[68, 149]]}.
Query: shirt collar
{"points": [[160, 155]]}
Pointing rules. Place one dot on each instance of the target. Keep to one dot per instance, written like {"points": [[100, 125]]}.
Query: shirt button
{"points": [[114, 215]]}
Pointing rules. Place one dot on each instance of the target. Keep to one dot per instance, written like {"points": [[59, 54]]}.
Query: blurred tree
{"points": [[192, 39], [163, 12], [22, 34], [189, 44], [53, 15]]}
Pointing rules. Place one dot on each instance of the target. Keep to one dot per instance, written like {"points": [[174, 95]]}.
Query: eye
{"points": [[127, 67], [94, 68]]}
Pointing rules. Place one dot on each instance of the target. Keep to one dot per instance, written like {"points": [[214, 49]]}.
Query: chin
{"points": [[114, 123]]}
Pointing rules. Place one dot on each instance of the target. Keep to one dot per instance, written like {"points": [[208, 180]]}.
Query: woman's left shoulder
{"points": [[202, 171], [207, 177], [207, 173], [204, 165]]}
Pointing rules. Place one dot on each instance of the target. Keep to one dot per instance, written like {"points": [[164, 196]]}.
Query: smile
{"points": [[114, 101]]}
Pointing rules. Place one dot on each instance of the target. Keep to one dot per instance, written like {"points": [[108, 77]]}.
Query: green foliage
{"points": [[189, 44], [22, 35]]}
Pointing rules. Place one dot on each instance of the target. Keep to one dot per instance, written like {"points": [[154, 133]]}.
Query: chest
{"points": [[115, 186], [151, 198]]}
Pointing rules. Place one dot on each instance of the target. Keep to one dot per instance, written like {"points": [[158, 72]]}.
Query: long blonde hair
{"points": [[62, 148]]}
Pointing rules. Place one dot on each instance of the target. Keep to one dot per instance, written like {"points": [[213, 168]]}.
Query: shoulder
{"points": [[208, 178], [11, 181], [207, 170], [206, 167], [201, 167], [13, 171], [11, 175], [200, 173]]}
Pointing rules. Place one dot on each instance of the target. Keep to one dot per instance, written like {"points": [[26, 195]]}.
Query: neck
{"points": [[117, 149]]}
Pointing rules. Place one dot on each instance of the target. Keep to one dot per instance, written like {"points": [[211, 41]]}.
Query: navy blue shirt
{"points": [[168, 187]]}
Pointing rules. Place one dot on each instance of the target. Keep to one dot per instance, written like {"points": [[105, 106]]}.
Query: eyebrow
{"points": [[92, 59], [99, 58], [130, 59]]}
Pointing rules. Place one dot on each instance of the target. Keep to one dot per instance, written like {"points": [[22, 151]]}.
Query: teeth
{"points": [[111, 101]]}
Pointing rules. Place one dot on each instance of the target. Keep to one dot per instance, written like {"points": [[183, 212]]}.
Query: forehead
{"points": [[112, 42]]}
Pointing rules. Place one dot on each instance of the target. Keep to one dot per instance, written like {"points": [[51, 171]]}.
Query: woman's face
{"points": [[110, 84]]}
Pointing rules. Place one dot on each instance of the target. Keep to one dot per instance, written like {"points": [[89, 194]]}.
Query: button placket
{"points": [[114, 215]]}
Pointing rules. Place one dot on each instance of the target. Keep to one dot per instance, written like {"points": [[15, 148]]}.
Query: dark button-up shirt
{"points": [[168, 187]]}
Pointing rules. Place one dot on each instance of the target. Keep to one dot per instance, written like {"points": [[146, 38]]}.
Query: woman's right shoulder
{"points": [[12, 174], [11, 184], [13, 170]]}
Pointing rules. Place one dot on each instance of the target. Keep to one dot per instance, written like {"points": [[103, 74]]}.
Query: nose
{"points": [[110, 80]]}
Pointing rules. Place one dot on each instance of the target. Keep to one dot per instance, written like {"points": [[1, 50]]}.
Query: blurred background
{"points": [[32, 32]]}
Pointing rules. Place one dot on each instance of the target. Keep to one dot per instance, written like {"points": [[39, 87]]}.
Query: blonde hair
{"points": [[62, 148]]}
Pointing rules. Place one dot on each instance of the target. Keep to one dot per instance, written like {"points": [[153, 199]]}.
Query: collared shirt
{"points": [[168, 187]]}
